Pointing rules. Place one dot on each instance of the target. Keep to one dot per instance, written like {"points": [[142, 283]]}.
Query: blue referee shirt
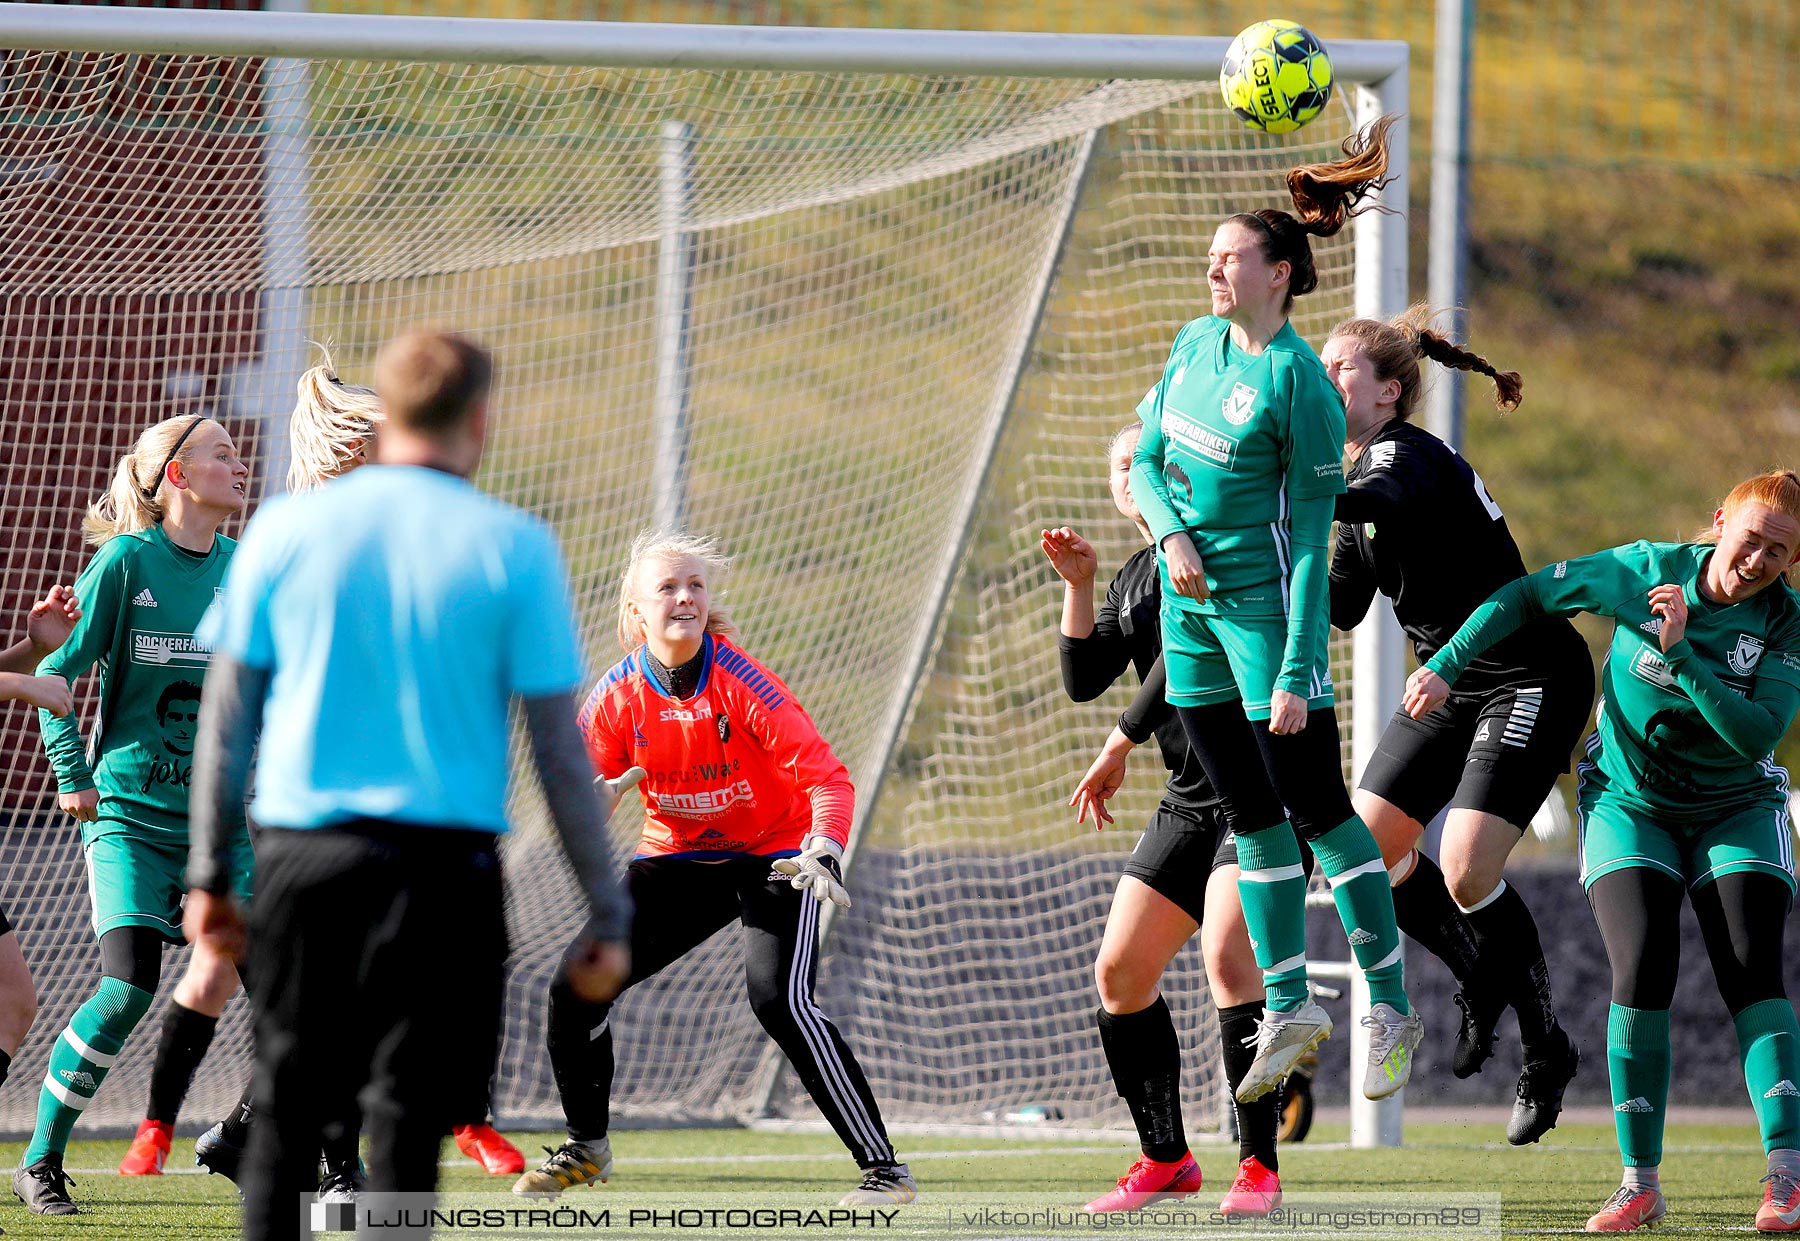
{"points": [[399, 609]]}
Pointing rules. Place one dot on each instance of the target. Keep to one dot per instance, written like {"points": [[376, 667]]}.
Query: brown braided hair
{"points": [[1394, 349], [1326, 197]]}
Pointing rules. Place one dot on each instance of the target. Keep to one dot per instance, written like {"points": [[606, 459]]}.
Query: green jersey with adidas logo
{"points": [[1686, 733], [1229, 440], [142, 597]]}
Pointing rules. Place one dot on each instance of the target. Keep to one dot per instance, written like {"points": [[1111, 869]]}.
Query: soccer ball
{"points": [[1276, 76]]}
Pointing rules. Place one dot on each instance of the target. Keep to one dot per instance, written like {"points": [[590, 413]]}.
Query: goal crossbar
{"points": [[645, 45]]}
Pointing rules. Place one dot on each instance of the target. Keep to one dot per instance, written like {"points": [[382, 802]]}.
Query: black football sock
{"points": [[1256, 1122], [237, 1125], [1506, 937], [1424, 910], [1145, 1057], [185, 1037]]}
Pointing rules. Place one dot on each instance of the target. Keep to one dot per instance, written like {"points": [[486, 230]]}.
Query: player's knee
{"points": [[1254, 812], [120, 1006], [1745, 990], [210, 982], [774, 1009], [566, 1005], [1396, 832], [1751, 975], [1231, 968], [1468, 888], [1126, 983], [17, 1012], [1319, 810], [1639, 982]]}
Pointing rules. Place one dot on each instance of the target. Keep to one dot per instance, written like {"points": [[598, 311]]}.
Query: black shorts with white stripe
{"points": [[1181, 848], [1498, 751], [680, 903]]}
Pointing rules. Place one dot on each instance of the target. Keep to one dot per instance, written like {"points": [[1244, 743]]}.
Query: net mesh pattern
{"points": [[888, 277]]}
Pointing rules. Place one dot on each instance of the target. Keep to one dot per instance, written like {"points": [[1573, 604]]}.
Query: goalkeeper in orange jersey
{"points": [[747, 815]]}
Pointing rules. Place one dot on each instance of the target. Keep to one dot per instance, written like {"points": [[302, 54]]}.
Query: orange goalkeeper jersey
{"points": [[739, 768]]}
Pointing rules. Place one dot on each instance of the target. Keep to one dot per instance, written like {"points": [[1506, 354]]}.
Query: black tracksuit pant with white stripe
{"points": [[680, 903]]}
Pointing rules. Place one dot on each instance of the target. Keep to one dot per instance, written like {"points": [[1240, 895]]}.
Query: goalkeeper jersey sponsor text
{"points": [[738, 768]]}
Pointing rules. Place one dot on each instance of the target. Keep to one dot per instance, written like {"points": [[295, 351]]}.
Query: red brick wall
{"points": [[130, 254]]}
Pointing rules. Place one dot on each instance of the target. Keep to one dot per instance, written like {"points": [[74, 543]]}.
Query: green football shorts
{"points": [[1212, 659], [1617, 834], [135, 879]]}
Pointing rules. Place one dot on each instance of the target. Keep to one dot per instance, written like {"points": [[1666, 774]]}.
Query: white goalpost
{"points": [[868, 304]]}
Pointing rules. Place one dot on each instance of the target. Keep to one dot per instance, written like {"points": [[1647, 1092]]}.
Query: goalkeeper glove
{"points": [[612, 790], [818, 869]]}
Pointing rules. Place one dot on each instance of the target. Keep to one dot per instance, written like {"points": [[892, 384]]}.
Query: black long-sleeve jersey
{"points": [[1418, 525], [1128, 632]]}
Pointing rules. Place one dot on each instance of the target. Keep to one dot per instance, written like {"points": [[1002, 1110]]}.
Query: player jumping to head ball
{"points": [[1236, 473], [1180, 880]]}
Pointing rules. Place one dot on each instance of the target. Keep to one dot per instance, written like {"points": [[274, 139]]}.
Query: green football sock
{"points": [[79, 1061], [1769, 1045], [1637, 1059], [1365, 904], [1272, 887]]}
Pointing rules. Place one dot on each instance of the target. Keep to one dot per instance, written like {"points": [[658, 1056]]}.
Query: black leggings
{"points": [[1742, 917], [680, 903], [133, 954], [1264, 778]]}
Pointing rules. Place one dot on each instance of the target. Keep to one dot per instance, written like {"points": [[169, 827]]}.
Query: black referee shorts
{"points": [[1498, 752], [377, 957]]}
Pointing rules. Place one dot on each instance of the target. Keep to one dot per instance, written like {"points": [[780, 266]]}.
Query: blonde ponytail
{"points": [[134, 499], [332, 422]]}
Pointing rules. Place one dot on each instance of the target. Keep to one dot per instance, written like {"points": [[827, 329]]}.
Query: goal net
{"points": [[872, 329]]}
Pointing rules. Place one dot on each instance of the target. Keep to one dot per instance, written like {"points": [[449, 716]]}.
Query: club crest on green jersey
{"points": [[1240, 405], [1744, 655]]}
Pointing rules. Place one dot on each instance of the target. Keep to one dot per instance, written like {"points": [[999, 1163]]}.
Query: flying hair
{"points": [[1395, 347], [332, 422], [1325, 198]]}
